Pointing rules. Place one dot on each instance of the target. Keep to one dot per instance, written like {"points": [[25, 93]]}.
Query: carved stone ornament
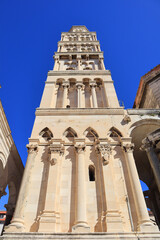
{"points": [[93, 85], [53, 161], [127, 118], [105, 150], [146, 145], [80, 148], [65, 85], [128, 147], [79, 86], [32, 148], [56, 148]]}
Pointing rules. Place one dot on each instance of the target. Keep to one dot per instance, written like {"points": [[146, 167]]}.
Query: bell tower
{"points": [[80, 175]]}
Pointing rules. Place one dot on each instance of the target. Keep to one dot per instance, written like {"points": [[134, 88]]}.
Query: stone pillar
{"points": [[17, 223], [110, 93], [81, 212], [144, 223], [111, 214], [94, 97], [65, 93], [148, 146], [56, 64], [79, 95], [102, 63], [50, 218]]}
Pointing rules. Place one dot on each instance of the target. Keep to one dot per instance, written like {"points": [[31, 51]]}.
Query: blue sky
{"points": [[129, 35]]}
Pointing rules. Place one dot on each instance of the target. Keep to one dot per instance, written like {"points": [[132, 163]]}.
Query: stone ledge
{"points": [[79, 72], [78, 111], [84, 236], [144, 111]]}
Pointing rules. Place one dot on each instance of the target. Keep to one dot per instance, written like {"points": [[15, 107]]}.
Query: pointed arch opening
{"points": [[46, 134], [70, 132], [91, 134], [114, 132]]}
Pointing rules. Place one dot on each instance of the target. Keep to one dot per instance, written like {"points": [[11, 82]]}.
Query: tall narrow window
{"points": [[91, 173]]}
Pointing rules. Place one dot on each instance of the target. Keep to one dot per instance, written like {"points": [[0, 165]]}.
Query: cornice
{"points": [[78, 72], [78, 111]]}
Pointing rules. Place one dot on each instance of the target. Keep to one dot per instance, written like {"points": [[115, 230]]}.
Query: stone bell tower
{"points": [[80, 175]]}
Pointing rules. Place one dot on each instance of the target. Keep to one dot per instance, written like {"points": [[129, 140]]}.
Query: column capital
{"points": [[147, 145], [105, 150], [127, 147], [56, 148], [79, 85], [32, 148], [93, 85], [80, 147], [65, 84]]}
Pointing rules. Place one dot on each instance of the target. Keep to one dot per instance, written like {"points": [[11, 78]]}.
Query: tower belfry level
{"points": [[80, 178]]}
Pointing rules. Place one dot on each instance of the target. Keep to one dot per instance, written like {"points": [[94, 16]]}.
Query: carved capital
{"points": [[128, 147], [93, 85], [79, 85], [80, 148], [56, 148], [105, 150], [146, 145], [32, 148], [127, 118], [65, 85]]}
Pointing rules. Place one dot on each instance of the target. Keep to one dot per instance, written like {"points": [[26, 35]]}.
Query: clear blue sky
{"points": [[129, 34]]}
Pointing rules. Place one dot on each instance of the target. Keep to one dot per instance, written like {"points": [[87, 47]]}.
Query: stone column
{"points": [[102, 63], [144, 223], [56, 64], [81, 212], [148, 146], [17, 223], [94, 97], [79, 97], [65, 93], [111, 213], [110, 93], [50, 218]]}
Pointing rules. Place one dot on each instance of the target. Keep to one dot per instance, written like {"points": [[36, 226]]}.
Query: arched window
{"points": [[46, 134], [91, 173]]}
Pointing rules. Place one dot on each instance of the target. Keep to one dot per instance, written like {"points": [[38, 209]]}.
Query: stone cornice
{"points": [[78, 111], [82, 53], [61, 43], [79, 72], [143, 112]]}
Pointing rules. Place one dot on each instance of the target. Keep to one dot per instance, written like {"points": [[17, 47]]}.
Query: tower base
{"points": [[84, 236]]}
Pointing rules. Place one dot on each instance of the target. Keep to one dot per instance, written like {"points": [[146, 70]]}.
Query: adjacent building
{"points": [[11, 167]]}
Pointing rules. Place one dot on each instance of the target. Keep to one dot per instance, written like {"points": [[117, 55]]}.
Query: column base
{"points": [[147, 227], [17, 225], [114, 221], [81, 227], [48, 221]]}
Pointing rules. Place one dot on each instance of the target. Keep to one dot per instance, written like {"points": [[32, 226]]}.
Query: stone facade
{"points": [[81, 180], [148, 94], [11, 167]]}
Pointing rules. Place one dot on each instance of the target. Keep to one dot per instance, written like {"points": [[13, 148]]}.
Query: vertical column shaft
{"points": [[18, 218], [65, 92], [51, 210], [154, 161], [81, 211], [79, 94], [143, 217], [94, 97]]}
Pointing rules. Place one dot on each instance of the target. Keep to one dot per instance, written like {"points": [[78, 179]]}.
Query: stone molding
{"points": [[78, 111]]}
